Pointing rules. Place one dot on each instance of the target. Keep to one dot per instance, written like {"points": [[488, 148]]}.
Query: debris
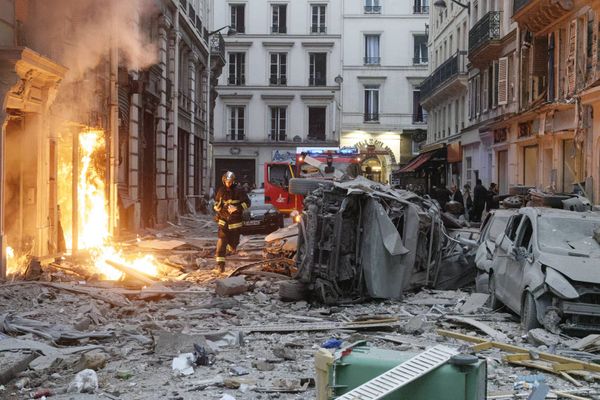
{"points": [[132, 273], [201, 356], [284, 352], [322, 326], [231, 286], [238, 371], [161, 244], [224, 339], [332, 343], [539, 337], [474, 302], [496, 335], [539, 392], [94, 360], [285, 386], [227, 397], [124, 374], [13, 364], [170, 344], [85, 381], [415, 324], [183, 364], [263, 365], [590, 343]]}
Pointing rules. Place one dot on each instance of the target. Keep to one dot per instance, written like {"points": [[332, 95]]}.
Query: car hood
{"points": [[259, 211], [580, 269]]}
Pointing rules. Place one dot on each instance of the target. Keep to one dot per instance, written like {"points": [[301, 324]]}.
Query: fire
{"points": [[93, 233]]}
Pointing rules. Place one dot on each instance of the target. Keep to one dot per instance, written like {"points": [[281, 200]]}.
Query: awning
{"points": [[417, 162]]}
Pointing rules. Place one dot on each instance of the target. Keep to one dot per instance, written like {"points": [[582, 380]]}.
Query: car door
{"points": [[504, 247], [516, 262]]}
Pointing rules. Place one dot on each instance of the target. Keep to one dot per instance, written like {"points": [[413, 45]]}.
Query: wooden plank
{"points": [[570, 378], [133, 273], [517, 357], [516, 349], [568, 366], [482, 346]]}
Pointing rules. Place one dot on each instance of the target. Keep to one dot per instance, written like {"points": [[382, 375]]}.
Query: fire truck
{"points": [[334, 161]]}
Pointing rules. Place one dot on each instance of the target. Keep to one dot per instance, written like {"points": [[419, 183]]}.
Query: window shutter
{"points": [[571, 58], [485, 94], [503, 81]]}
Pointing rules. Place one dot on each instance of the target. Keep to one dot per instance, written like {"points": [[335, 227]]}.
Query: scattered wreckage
{"points": [[545, 269], [359, 239]]}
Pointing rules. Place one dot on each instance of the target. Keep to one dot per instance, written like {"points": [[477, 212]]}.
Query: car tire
{"points": [[493, 301], [292, 291], [304, 186], [529, 319], [482, 283]]}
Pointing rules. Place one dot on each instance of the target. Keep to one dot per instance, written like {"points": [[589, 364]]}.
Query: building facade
{"points": [[103, 119], [279, 89], [444, 96], [385, 60]]}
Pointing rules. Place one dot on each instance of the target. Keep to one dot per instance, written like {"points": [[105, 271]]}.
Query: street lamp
{"points": [[230, 32], [442, 4]]}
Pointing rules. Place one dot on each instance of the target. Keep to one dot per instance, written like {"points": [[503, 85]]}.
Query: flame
{"points": [[93, 232], [15, 264]]}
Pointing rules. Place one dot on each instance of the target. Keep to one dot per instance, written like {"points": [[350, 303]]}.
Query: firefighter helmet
{"points": [[228, 176]]}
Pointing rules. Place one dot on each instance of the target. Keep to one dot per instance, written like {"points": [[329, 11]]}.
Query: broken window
{"points": [[526, 233], [238, 18], [237, 67], [316, 123], [513, 225]]}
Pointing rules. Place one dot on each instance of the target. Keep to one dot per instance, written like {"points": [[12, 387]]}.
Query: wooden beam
{"points": [[133, 273]]}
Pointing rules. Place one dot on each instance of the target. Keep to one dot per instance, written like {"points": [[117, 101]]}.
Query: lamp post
{"points": [[230, 32], [442, 4]]}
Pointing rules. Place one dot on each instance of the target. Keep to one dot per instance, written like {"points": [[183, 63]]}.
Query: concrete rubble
{"points": [[120, 341]]}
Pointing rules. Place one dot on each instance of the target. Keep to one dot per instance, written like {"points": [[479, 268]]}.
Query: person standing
{"points": [[468, 201], [230, 203], [492, 192], [480, 195]]}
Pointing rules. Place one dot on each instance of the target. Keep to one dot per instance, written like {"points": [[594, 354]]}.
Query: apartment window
{"points": [[469, 168], [318, 19], [371, 104], [237, 67], [238, 21], [278, 123], [372, 49], [317, 69], [279, 18], [419, 116], [372, 7], [278, 69], [420, 49], [421, 7], [237, 126], [316, 123]]}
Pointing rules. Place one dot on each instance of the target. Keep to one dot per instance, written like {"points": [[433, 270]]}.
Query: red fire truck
{"points": [[278, 174]]}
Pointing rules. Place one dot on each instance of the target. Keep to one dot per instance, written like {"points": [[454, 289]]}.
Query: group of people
{"points": [[471, 207]]}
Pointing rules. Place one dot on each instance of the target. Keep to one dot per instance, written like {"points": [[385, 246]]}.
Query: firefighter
{"points": [[230, 203]]}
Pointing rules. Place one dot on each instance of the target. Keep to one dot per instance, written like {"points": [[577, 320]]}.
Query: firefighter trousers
{"points": [[228, 239]]}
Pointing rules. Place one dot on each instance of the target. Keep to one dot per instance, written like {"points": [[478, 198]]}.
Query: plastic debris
{"points": [[332, 343], [183, 364], [85, 381]]}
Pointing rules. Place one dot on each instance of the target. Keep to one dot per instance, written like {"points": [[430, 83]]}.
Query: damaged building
{"points": [[104, 120]]}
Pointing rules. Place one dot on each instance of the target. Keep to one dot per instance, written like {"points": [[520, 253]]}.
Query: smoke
{"points": [[80, 33]]}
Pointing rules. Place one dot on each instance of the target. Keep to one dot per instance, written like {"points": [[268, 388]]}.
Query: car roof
{"points": [[556, 212]]}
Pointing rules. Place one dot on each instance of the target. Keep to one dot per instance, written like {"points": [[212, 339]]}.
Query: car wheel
{"points": [[292, 291], [305, 186], [493, 301], [529, 313], [482, 283]]}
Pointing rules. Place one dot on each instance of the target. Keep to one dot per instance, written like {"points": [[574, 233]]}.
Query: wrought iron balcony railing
{"points": [[278, 80], [373, 9], [372, 60], [518, 4], [236, 80], [485, 30], [451, 68], [371, 117], [217, 46]]}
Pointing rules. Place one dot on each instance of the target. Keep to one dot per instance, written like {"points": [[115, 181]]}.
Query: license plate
{"points": [[251, 222]]}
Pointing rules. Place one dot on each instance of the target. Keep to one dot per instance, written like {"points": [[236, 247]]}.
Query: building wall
{"points": [[396, 75], [257, 95]]}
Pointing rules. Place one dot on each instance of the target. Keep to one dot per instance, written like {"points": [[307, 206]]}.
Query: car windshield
{"points": [[570, 234], [498, 226]]}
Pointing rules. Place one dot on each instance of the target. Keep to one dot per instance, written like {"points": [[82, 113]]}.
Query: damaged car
{"points": [[359, 239], [546, 269]]}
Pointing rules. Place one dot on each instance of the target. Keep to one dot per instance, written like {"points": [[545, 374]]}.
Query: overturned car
{"points": [[359, 239]]}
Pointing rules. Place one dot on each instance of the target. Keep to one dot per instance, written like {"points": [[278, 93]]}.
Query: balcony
{"points": [[484, 39], [278, 81], [418, 9], [419, 118], [372, 9], [321, 29], [371, 117], [539, 15], [217, 48], [447, 80], [372, 60]]}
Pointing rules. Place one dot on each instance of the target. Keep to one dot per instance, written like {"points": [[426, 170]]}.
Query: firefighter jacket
{"points": [[230, 196]]}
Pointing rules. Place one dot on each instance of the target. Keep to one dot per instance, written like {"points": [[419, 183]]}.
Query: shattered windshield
{"points": [[498, 226], [569, 234]]}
